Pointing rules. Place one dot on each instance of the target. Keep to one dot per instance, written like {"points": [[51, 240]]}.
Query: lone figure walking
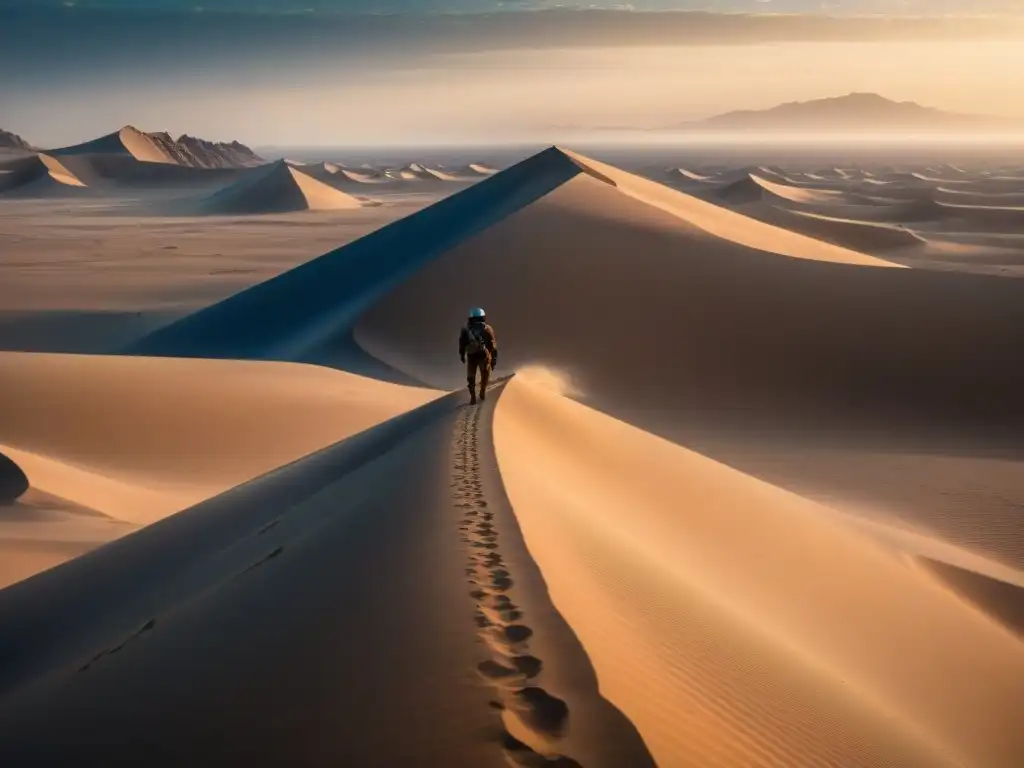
{"points": [[478, 349]]}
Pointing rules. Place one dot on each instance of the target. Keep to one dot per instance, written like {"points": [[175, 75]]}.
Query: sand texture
{"points": [[745, 490]]}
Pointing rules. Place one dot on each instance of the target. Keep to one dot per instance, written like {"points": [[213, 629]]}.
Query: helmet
{"points": [[477, 312]]}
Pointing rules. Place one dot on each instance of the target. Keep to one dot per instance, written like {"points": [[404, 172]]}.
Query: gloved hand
{"points": [[462, 358], [494, 360]]}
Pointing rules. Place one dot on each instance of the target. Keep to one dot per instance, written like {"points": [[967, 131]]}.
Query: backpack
{"points": [[476, 339]]}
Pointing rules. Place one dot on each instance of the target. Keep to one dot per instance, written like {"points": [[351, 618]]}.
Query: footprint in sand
{"points": [[511, 668], [266, 558], [540, 711], [114, 649], [521, 756]]}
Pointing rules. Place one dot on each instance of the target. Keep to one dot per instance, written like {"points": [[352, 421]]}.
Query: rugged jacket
{"points": [[490, 341]]}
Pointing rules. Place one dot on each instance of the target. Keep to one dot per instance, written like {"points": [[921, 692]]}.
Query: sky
{"points": [[332, 73], [888, 7]]}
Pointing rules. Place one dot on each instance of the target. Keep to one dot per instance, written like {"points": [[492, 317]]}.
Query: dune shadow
{"points": [[76, 332], [13, 481], [1000, 600]]}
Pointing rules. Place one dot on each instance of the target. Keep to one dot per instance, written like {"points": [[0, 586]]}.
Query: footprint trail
{"points": [[509, 667]]}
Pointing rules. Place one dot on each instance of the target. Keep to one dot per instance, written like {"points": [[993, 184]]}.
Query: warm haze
{"points": [[744, 488], [302, 79]]}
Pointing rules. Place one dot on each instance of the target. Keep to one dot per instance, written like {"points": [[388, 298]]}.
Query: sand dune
{"points": [[261, 562], [1004, 601], [865, 236], [277, 188], [417, 172], [39, 175], [883, 211], [968, 197], [552, 191], [742, 191], [816, 195], [116, 174], [722, 354], [134, 421], [452, 175], [689, 175], [130, 158], [971, 252], [189, 151], [138, 439], [727, 590], [149, 148], [122, 176], [754, 188], [727, 512], [362, 177], [973, 203], [557, 220], [126, 159], [992, 218], [342, 178]]}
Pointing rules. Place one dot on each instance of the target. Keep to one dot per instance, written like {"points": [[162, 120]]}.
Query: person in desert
{"points": [[478, 349]]}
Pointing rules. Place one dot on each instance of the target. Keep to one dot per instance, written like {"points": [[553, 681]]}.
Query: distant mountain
{"points": [[214, 154], [200, 153], [159, 147], [10, 140], [854, 112]]}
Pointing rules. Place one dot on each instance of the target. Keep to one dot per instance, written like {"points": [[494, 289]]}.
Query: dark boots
{"points": [[472, 395]]}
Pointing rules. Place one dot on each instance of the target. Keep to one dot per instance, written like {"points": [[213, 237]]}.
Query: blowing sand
{"points": [[751, 497]]}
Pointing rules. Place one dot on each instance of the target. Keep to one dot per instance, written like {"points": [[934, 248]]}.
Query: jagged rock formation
{"points": [[10, 140]]}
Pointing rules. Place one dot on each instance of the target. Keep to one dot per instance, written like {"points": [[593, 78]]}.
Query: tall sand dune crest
{"points": [[546, 238]]}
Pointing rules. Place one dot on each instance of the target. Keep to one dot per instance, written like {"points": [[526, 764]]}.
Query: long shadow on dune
{"points": [[13, 482], [77, 332], [294, 315], [717, 333], [1003, 602], [676, 315]]}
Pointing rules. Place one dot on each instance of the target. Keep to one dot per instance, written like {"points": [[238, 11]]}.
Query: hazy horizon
{"points": [[318, 80]]}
